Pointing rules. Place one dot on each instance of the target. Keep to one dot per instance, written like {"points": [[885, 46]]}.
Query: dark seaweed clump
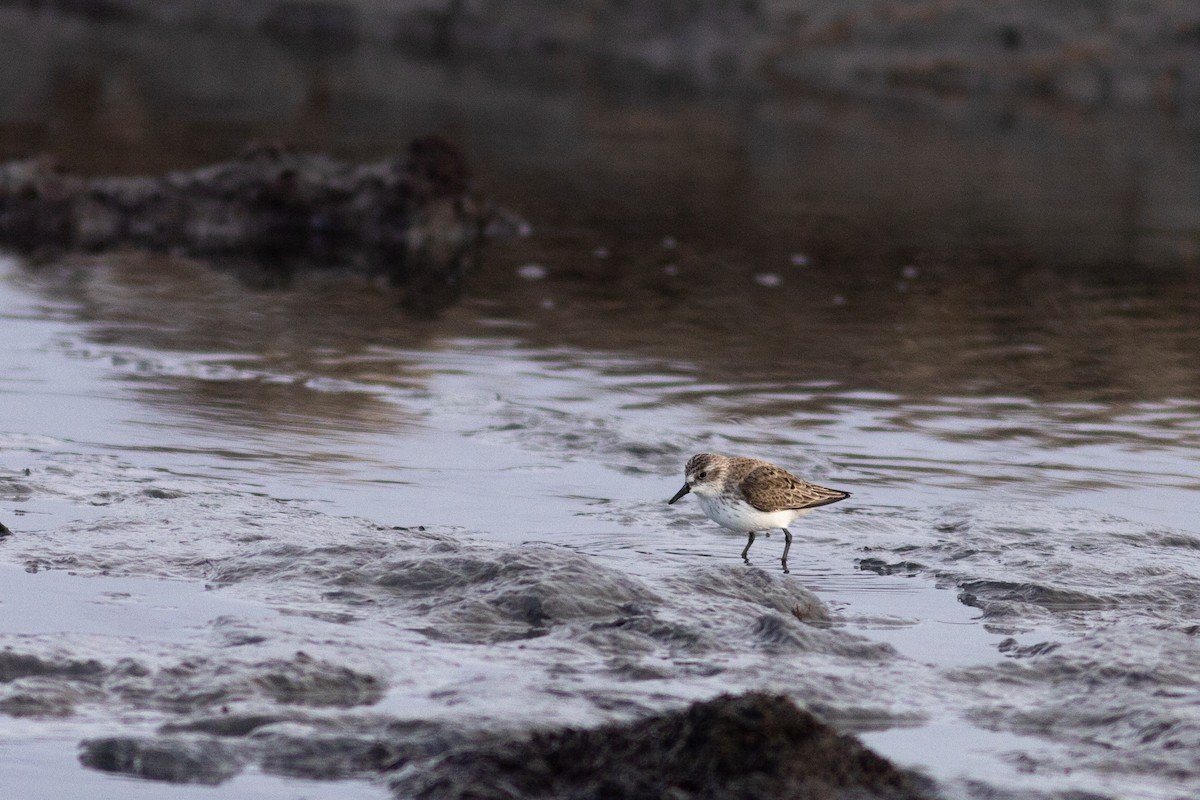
{"points": [[747, 746]]}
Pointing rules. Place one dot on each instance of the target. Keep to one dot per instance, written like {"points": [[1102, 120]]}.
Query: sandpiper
{"points": [[748, 494]]}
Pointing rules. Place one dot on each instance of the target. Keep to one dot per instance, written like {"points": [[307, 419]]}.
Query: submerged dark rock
{"points": [[326, 757], [172, 760], [414, 220], [14, 666], [749, 746], [199, 685]]}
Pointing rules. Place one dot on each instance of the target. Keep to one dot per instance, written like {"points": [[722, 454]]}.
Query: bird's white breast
{"points": [[739, 515]]}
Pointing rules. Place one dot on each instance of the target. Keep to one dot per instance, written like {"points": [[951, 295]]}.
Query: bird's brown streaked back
{"points": [[769, 488]]}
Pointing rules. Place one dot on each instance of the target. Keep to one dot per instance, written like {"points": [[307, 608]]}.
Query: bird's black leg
{"points": [[787, 538], [746, 549]]}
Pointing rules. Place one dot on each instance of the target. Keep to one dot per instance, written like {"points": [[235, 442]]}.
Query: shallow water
{"points": [[288, 521], [1023, 566]]}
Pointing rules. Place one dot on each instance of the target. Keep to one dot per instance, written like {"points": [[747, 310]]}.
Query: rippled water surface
{"points": [[217, 490]]}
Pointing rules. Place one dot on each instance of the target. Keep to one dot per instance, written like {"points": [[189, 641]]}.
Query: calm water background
{"points": [[982, 322]]}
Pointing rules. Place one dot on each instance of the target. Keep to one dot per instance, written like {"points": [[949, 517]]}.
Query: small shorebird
{"points": [[746, 494]]}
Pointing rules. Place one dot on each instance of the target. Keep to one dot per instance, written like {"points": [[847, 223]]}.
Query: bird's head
{"points": [[703, 475]]}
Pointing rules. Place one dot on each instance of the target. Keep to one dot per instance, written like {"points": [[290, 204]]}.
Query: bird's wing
{"points": [[769, 488]]}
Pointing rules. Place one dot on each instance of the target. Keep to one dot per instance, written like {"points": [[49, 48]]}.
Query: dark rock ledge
{"points": [[414, 220]]}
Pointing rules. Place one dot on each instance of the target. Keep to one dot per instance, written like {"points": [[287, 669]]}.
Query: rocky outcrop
{"points": [[414, 220]]}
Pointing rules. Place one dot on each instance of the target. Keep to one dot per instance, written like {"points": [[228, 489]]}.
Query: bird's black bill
{"points": [[680, 494]]}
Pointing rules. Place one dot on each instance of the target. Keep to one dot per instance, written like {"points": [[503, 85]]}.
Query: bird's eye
{"points": [[702, 475]]}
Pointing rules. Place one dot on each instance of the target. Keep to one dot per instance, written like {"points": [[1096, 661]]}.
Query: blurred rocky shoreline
{"points": [[1096, 54], [879, 134]]}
